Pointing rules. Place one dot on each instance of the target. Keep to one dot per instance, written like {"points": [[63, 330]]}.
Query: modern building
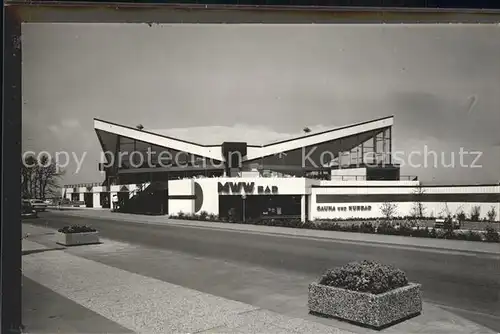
{"points": [[345, 172]]}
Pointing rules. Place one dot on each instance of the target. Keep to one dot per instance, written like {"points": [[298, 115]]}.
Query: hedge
{"points": [[370, 227]]}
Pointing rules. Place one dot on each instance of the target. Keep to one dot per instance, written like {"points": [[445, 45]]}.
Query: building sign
{"points": [[245, 187], [329, 208]]}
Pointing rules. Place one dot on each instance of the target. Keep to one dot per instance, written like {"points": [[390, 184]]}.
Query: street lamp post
{"points": [[243, 197]]}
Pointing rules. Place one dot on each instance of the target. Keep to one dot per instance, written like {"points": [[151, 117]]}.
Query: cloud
{"points": [[437, 161], [458, 119], [270, 80], [216, 135], [53, 128], [70, 123], [65, 127]]}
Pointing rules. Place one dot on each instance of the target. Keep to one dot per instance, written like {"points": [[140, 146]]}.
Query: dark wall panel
{"points": [[472, 198]]}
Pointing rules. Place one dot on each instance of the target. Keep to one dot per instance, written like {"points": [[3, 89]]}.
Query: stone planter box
{"points": [[374, 311], [74, 239]]}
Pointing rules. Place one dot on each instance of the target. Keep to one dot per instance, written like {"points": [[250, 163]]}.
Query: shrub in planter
{"points": [[491, 235], [366, 276], [77, 235], [77, 229], [365, 292]]}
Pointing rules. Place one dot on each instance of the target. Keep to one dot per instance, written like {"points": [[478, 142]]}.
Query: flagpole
{"points": [[261, 160]]}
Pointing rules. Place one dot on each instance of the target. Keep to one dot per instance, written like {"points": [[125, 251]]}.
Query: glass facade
{"points": [[138, 154], [136, 161], [376, 150]]}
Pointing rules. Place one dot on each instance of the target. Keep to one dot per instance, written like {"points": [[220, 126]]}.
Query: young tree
{"points": [[39, 178], [461, 216], [492, 214], [475, 213], [48, 178], [28, 167], [445, 212], [388, 210], [448, 226], [418, 209]]}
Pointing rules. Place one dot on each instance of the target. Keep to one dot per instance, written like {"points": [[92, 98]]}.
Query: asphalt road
{"points": [[466, 285]]}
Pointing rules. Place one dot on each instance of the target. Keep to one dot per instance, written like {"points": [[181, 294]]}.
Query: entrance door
{"points": [[123, 198], [89, 200], [161, 201], [231, 207], [259, 207], [105, 201]]}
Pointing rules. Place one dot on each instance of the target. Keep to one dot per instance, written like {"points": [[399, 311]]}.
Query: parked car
{"points": [[64, 201], [457, 224], [27, 210], [77, 204], [38, 204], [440, 223]]}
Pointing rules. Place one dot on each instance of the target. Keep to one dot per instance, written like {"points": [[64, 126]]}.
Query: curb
{"points": [[368, 243], [291, 235]]}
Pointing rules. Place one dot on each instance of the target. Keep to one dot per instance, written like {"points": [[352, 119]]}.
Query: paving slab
{"points": [[45, 311], [279, 291], [143, 304]]}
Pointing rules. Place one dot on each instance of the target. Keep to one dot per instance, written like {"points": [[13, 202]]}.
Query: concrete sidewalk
{"points": [[145, 305], [428, 243], [45, 311], [113, 281]]}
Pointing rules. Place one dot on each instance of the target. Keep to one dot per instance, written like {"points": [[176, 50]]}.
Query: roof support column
{"points": [[390, 145], [384, 147]]}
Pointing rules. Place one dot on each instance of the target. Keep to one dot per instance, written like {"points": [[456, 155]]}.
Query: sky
{"points": [[260, 83]]}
